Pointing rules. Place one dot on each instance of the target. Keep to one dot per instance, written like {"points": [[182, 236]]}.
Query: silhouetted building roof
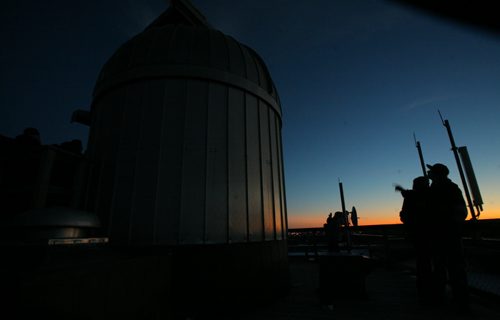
{"points": [[30, 136]]}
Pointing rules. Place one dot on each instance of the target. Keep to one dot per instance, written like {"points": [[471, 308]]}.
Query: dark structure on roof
{"points": [[42, 189], [183, 176]]}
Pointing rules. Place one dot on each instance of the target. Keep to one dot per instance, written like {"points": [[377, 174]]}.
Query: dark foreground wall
{"points": [[100, 282]]}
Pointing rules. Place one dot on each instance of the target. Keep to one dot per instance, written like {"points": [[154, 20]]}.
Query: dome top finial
{"points": [[180, 12]]}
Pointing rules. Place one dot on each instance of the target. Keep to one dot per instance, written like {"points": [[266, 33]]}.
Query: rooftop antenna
{"points": [[459, 166], [420, 155], [471, 179], [345, 216]]}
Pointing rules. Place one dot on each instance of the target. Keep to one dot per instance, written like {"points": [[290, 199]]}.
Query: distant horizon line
{"points": [[384, 224]]}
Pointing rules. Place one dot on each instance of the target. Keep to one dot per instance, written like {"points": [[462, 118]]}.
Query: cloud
{"points": [[428, 102]]}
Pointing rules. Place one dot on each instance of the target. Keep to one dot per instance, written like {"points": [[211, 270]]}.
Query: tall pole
{"points": [[420, 155], [345, 216], [459, 166], [342, 197]]}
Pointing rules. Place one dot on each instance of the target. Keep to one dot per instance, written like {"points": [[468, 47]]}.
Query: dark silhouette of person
{"points": [[448, 211], [332, 230], [414, 215], [329, 219]]}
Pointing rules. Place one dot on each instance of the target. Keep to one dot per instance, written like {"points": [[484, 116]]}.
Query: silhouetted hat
{"points": [[439, 169]]}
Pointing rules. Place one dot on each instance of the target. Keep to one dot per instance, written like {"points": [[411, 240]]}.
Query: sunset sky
{"points": [[356, 79]]}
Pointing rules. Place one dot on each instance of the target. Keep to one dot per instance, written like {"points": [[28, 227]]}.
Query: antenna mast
{"points": [[420, 155], [459, 165], [345, 216]]}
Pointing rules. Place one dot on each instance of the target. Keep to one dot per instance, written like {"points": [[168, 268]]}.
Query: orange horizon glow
{"points": [[316, 220]]}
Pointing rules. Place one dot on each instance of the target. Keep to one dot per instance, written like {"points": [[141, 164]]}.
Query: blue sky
{"points": [[356, 79]]}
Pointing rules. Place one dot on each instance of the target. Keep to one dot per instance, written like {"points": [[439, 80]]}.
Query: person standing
{"points": [[415, 218], [332, 230], [447, 214]]}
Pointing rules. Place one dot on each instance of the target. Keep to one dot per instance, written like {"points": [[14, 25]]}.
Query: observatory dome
{"points": [[185, 138], [174, 47]]}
